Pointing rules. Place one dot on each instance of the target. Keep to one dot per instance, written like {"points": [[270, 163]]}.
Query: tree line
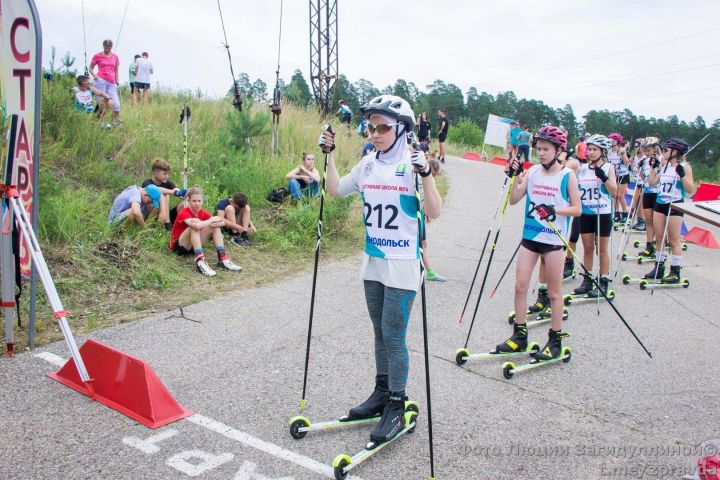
{"points": [[475, 107]]}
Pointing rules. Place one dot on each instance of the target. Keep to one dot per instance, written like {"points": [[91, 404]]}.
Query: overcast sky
{"points": [[657, 58]]}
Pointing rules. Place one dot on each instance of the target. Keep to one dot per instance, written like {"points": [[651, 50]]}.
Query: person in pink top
{"points": [[107, 78]]}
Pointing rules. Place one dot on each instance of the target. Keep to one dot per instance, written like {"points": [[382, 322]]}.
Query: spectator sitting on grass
{"points": [[160, 178], [85, 95], [134, 204], [236, 213], [193, 227], [304, 179]]}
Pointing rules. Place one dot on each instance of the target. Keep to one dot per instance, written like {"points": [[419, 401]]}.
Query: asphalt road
{"points": [[611, 412]]}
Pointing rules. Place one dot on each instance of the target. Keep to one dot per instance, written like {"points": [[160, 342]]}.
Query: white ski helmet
{"points": [[650, 142], [392, 106], [600, 141]]}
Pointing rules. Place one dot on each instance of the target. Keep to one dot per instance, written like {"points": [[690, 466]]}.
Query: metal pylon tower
{"points": [[323, 50]]}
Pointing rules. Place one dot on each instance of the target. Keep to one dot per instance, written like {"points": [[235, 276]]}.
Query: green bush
{"points": [[465, 132]]}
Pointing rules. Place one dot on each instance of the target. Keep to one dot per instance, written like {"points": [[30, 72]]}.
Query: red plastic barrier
{"points": [[499, 161], [472, 156], [706, 192], [702, 237], [123, 383]]}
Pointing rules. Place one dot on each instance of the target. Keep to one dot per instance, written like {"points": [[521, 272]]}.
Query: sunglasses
{"points": [[381, 128]]}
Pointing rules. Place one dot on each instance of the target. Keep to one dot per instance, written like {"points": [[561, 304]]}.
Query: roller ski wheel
{"points": [[636, 244], [567, 299], [343, 464], [296, 424], [684, 247], [628, 280], [509, 369], [624, 256], [462, 355]]}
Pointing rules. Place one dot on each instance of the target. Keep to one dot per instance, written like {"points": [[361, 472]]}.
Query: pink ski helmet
{"points": [[552, 134]]}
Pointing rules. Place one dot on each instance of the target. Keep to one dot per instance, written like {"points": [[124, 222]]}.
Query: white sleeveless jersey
{"points": [[616, 160], [670, 189], [550, 190], [594, 196], [389, 208], [646, 169]]}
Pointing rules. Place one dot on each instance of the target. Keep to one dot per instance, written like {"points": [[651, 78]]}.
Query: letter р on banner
{"points": [[20, 47]]}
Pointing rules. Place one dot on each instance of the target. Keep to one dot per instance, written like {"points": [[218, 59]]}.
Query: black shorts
{"points": [[648, 200], [132, 87], [346, 119], [180, 250], [142, 86], [588, 224], [664, 208], [575, 230], [623, 179], [539, 247], [442, 137]]}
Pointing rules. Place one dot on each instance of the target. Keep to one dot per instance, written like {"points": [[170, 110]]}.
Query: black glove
{"points": [[654, 162], [641, 162], [545, 212], [680, 170], [600, 173], [322, 141], [515, 167]]}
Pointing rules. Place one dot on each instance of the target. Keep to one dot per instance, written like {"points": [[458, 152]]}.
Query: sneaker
{"points": [[202, 267], [237, 240], [117, 123], [229, 265], [640, 225], [432, 276]]}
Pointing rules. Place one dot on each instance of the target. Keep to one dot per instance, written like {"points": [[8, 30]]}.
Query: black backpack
{"points": [[278, 195]]}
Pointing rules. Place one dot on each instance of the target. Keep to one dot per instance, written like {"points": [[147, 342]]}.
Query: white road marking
{"points": [[262, 445], [208, 461], [52, 358], [231, 433], [148, 445]]}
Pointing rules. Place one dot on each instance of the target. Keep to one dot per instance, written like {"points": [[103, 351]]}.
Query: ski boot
{"points": [[649, 250], [569, 269], [553, 348], [586, 285], [674, 276], [640, 225], [542, 302], [374, 405], [604, 283], [392, 421], [658, 271], [616, 217], [516, 343], [623, 217]]}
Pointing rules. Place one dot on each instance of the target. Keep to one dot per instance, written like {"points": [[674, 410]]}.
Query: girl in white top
{"points": [[552, 195], [674, 180], [392, 271], [620, 161], [597, 185]]}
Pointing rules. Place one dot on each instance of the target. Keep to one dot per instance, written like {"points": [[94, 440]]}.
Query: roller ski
{"points": [[367, 412], [516, 345], [684, 245], [541, 317], [644, 256], [551, 353], [395, 422], [673, 279], [630, 280], [569, 269], [587, 292], [620, 222]]}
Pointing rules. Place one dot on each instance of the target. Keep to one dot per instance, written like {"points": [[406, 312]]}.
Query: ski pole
{"points": [[597, 285], [492, 253], [661, 247], [597, 239], [303, 402], [425, 331], [184, 119], [482, 253], [628, 224], [507, 267]]}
